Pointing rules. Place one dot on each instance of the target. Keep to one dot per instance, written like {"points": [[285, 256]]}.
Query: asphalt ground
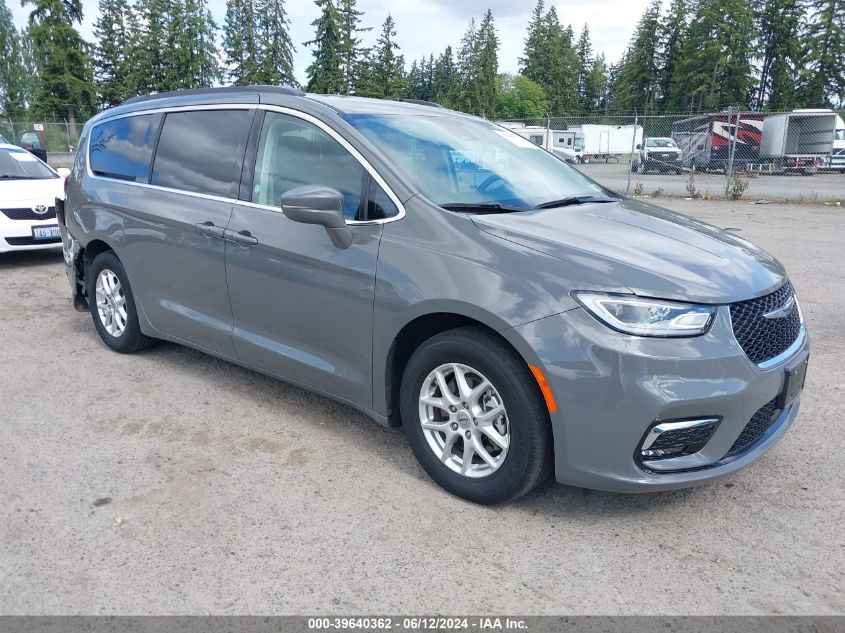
{"points": [[171, 482]]}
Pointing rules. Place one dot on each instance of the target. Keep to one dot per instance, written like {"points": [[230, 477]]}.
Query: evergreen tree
{"points": [[16, 80], [351, 50], [194, 31], [823, 61], [637, 79], [595, 90], [672, 32], [550, 60], [151, 67], [385, 68], [445, 85], [66, 79], [715, 68], [778, 24], [487, 66], [113, 52], [584, 52], [276, 48], [325, 73], [240, 42], [468, 98]]}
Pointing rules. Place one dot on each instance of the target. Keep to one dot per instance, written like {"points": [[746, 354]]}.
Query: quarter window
{"points": [[203, 151], [123, 148], [293, 153]]}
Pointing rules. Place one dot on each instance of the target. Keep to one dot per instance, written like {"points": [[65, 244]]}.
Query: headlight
{"points": [[648, 317]]}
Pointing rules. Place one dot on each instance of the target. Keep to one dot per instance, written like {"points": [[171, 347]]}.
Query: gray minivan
{"points": [[438, 272]]}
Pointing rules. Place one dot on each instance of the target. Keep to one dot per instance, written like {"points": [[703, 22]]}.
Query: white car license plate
{"points": [[46, 232]]}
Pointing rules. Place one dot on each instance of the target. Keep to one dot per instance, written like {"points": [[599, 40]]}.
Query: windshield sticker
{"points": [[516, 139], [23, 157]]}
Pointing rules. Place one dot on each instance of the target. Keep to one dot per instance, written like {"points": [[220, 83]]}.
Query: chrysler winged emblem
{"points": [[783, 311], [40, 209]]}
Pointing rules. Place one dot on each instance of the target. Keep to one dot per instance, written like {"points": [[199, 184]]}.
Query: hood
{"points": [[25, 192], [651, 251]]}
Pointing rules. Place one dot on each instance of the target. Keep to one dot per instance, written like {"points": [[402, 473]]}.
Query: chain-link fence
{"points": [[48, 136], [719, 153]]}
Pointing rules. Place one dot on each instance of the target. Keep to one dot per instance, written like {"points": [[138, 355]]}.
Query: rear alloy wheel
{"points": [[113, 306], [474, 416]]}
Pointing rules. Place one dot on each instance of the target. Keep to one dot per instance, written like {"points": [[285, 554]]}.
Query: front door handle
{"points": [[209, 229], [244, 238]]}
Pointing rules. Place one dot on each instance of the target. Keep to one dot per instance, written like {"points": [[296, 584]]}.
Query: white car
{"points": [[28, 192]]}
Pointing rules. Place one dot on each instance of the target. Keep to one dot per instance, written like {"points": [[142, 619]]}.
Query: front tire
{"points": [[474, 417], [112, 306]]}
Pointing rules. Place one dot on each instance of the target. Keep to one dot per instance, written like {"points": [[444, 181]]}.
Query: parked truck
{"points": [[798, 142], [705, 140], [609, 142]]}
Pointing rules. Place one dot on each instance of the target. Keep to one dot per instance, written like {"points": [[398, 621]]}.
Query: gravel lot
{"points": [[822, 187], [171, 482]]}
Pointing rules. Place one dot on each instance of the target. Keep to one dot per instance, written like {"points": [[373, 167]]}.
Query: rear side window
{"points": [[203, 151], [123, 148]]}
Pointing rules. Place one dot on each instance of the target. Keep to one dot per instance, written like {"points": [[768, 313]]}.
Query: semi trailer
{"points": [[705, 140]]}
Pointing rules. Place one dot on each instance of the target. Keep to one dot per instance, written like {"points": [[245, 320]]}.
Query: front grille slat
{"points": [[28, 214], [760, 338], [756, 427], [31, 241]]}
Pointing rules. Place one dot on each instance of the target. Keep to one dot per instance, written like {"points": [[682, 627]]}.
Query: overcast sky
{"points": [[425, 26]]}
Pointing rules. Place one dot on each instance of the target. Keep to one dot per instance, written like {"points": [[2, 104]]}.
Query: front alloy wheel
{"points": [[464, 420], [111, 302]]}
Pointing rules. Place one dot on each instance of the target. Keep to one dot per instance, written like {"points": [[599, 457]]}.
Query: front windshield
{"points": [[462, 161], [660, 142], [21, 165]]}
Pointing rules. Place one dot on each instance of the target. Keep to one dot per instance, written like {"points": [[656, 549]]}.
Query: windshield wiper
{"points": [[568, 202], [482, 207]]}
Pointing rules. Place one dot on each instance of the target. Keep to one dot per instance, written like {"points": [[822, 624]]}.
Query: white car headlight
{"points": [[648, 317]]}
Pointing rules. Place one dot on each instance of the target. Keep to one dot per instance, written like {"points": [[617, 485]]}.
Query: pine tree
{"points": [[823, 83], [445, 86], [778, 24], [151, 68], [240, 42], [672, 32], [487, 66], [637, 80], [351, 50], [113, 52], [468, 98], [276, 50], [66, 79], [325, 73], [715, 68], [194, 31], [16, 81], [385, 69], [595, 91], [550, 60], [584, 52]]}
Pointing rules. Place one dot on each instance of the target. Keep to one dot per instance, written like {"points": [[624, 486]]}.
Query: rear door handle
{"points": [[244, 238], [209, 229]]}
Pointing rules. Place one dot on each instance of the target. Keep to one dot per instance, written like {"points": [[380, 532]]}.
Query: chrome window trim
{"points": [[249, 106]]}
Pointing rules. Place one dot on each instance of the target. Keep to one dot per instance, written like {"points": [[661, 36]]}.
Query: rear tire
{"points": [[504, 473], [112, 306]]}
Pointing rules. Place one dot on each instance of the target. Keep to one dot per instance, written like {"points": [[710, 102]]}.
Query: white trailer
{"points": [[609, 141], [798, 142], [568, 144], [837, 155]]}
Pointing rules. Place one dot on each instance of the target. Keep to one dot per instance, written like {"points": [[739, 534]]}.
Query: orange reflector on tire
{"points": [[544, 387]]}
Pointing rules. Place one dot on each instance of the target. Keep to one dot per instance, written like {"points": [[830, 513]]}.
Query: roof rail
{"points": [[281, 90], [430, 104]]}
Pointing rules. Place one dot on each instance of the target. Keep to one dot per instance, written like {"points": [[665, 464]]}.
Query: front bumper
{"points": [[16, 235], [611, 388]]}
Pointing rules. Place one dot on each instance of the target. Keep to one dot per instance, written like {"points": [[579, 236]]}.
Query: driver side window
{"points": [[293, 153]]}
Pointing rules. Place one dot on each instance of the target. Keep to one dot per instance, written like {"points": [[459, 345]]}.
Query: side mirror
{"points": [[317, 204], [64, 172], [639, 146]]}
